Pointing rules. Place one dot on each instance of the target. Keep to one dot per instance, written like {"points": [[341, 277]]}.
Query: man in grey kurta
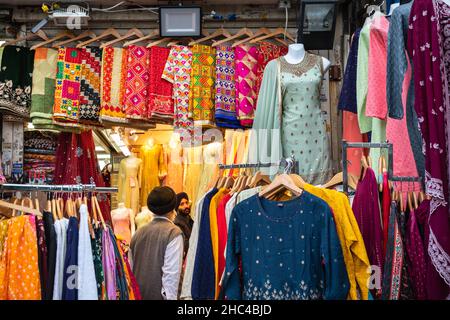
{"points": [[157, 249]]}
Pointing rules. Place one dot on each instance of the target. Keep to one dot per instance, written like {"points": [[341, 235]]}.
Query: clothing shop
{"points": [[225, 150]]}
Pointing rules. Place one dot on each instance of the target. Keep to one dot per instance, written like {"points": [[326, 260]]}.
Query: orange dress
{"points": [[19, 270]]}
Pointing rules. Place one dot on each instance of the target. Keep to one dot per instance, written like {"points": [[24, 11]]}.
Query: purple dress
{"points": [[109, 265], [366, 208], [431, 105]]}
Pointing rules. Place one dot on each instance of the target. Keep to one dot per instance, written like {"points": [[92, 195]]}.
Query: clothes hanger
{"points": [[276, 32], [159, 41], [60, 35], [132, 32], [100, 212], [39, 34], [242, 32], [21, 208], [111, 32], [154, 33], [83, 35], [94, 210], [261, 32], [259, 178], [219, 32], [338, 178], [298, 180], [280, 183]]}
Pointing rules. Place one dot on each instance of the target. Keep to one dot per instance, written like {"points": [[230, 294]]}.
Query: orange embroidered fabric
{"points": [[19, 271]]}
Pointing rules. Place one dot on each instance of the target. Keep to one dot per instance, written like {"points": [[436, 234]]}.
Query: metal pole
{"points": [[300, 22]]}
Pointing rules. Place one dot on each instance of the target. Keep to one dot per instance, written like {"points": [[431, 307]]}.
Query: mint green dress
{"points": [[289, 120]]}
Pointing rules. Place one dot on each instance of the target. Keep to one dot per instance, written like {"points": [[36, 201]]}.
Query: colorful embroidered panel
{"points": [[201, 100], [91, 59]]}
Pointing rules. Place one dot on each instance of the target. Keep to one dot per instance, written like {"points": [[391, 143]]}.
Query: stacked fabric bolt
{"points": [[39, 156]]}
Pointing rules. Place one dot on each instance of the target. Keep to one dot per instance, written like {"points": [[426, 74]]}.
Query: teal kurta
{"points": [[289, 120]]}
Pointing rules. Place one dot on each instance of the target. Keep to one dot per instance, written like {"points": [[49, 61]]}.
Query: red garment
{"points": [[386, 209], [267, 52], [76, 162], [222, 229], [160, 102]]}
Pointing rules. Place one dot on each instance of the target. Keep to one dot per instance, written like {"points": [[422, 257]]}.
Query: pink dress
{"points": [[246, 76], [376, 106], [121, 224]]}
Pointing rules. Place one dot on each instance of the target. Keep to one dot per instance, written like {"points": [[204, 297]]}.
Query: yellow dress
{"points": [[193, 167], [3, 234], [19, 270], [215, 233], [173, 155], [153, 169], [352, 243], [130, 175]]}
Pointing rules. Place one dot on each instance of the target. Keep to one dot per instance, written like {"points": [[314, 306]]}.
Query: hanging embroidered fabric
{"points": [[43, 95], [67, 90], [267, 52], [112, 88], [201, 99], [160, 102], [178, 72], [225, 90], [136, 86], [246, 75], [91, 62], [15, 82]]}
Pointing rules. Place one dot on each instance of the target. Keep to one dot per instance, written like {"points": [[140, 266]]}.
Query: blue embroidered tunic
{"points": [[288, 250]]}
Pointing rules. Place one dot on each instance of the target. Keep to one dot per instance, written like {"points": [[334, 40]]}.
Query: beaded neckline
{"points": [[300, 68]]}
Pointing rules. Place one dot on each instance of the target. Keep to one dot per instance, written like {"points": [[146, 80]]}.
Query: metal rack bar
{"points": [[385, 145], [290, 165], [56, 188]]}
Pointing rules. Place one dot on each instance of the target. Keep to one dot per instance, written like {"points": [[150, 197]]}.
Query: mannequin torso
{"points": [[296, 54], [143, 217], [123, 222]]}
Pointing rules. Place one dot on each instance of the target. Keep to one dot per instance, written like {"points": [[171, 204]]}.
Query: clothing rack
{"points": [[290, 165], [370, 145], [57, 188]]}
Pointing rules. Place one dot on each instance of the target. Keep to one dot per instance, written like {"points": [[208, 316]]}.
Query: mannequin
{"points": [[143, 217], [296, 54], [123, 222], [130, 178]]}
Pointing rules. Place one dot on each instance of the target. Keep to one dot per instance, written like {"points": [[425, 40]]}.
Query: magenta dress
{"points": [[367, 212], [431, 105], [246, 75]]}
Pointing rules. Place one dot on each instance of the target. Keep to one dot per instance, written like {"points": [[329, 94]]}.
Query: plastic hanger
{"points": [[111, 32], [39, 34], [60, 35], [219, 32], [242, 32], [154, 33], [276, 32], [281, 182], [83, 35], [132, 32]]}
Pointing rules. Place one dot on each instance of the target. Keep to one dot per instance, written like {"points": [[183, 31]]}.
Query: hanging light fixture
{"points": [[317, 23]]}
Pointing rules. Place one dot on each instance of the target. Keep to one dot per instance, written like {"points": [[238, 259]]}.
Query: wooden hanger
{"points": [[280, 183], [39, 34], [259, 178], [111, 32], [219, 32], [94, 210], [99, 212], [86, 34], [352, 181], [364, 166], [338, 178], [298, 180], [132, 32], [159, 41], [154, 33], [242, 32], [21, 208], [60, 35], [274, 34], [261, 32]]}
